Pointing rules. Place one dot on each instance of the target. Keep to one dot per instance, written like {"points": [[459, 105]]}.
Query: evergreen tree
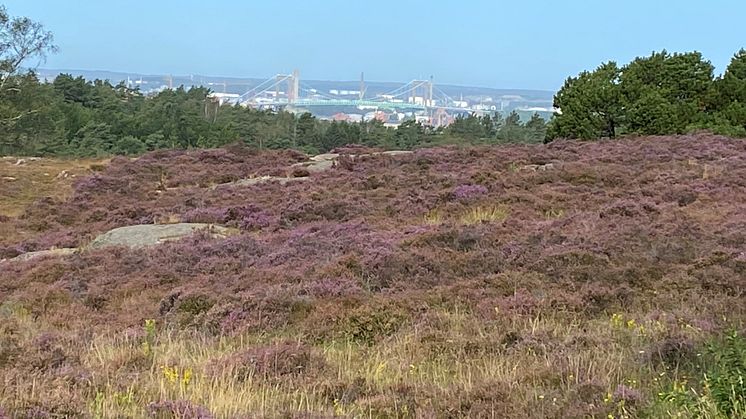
{"points": [[590, 105]]}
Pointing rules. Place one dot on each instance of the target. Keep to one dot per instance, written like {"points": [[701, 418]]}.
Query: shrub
{"points": [[177, 409], [276, 360], [333, 287], [462, 239], [371, 322], [723, 382], [673, 351], [206, 215], [629, 396], [726, 379], [195, 304], [468, 193]]}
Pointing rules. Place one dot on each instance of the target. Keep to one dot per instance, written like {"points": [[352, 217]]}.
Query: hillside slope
{"points": [[565, 280]]}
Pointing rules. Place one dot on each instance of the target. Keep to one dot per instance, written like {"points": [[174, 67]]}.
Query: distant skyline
{"points": [[488, 43]]}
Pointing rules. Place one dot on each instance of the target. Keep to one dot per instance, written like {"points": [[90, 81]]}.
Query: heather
{"points": [[571, 279]]}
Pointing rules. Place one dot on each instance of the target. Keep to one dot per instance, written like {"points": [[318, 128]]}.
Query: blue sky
{"points": [[491, 43]]}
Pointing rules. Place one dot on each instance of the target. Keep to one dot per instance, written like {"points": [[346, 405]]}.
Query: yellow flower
{"points": [[186, 377], [170, 373]]}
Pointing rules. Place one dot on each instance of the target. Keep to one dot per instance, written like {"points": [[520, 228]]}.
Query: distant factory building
{"points": [[337, 92], [377, 115], [223, 98]]}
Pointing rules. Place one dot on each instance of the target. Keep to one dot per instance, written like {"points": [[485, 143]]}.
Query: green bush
{"points": [[726, 378], [369, 323], [722, 387]]}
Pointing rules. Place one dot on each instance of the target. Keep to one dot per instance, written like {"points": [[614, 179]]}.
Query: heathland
{"points": [[573, 279]]}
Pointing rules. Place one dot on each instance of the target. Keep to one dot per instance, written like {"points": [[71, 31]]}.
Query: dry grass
{"points": [[484, 215], [22, 184], [399, 377]]}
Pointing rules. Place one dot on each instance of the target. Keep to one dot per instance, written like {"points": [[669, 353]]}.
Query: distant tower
{"points": [[294, 91], [429, 103], [362, 85], [430, 93]]}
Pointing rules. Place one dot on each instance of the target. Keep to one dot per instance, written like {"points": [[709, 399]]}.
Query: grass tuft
{"points": [[480, 214]]}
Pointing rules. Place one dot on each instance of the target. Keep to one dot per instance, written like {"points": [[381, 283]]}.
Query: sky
{"points": [[490, 43]]}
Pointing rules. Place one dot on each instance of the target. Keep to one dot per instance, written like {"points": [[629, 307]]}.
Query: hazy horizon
{"points": [[217, 77], [481, 43]]}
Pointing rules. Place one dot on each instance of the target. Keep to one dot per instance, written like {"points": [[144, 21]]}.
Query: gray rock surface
{"points": [[262, 179], [316, 166], [396, 152], [325, 157], [42, 253], [152, 234]]}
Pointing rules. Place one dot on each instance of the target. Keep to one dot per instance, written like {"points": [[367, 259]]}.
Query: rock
{"points": [[396, 152], [392, 153], [153, 234], [315, 166], [43, 253], [62, 175], [301, 171], [538, 167], [262, 179], [9, 178], [325, 157]]}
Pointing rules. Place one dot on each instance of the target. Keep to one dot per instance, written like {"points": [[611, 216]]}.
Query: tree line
{"points": [[659, 94], [75, 117]]}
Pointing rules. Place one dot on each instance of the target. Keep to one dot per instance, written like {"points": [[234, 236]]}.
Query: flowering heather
{"points": [[247, 217], [337, 287], [466, 193], [206, 215], [356, 292]]}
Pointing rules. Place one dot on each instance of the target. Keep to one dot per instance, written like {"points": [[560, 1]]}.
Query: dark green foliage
{"points": [[493, 129], [720, 390], [656, 95], [727, 378], [590, 105], [370, 323]]}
